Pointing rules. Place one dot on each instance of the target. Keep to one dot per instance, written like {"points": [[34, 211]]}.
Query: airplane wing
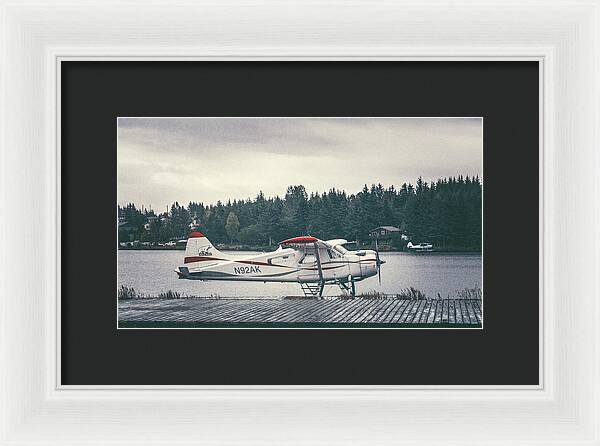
{"points": [[336, 242], [305, 241]]}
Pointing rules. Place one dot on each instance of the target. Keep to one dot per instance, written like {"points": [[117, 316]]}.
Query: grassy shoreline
{"points": [[129, 293]]}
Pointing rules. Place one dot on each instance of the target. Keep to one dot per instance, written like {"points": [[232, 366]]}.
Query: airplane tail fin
{"points": [[410, 245], [198, 246]]}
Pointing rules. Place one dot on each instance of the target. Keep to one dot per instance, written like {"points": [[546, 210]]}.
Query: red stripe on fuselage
{"points": [[200, 259], [254, 262], [247, 262]]}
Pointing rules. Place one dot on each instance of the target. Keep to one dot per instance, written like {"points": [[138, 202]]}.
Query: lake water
{"points": [[152, 272]]}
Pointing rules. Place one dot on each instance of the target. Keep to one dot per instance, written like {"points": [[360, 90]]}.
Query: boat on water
{"points": [[421, 247]]}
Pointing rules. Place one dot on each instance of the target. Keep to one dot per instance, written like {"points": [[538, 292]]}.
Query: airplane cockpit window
{"points": [[340, 249]]}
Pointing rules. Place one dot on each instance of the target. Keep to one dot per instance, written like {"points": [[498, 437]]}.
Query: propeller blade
{"points": [[378, 261]]}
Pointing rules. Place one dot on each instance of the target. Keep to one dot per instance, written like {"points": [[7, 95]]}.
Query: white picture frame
{"points": [[562, 35]]}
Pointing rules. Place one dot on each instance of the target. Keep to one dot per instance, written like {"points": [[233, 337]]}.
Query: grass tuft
{"points": [[170, 295], [125, 292], [128, 293], [405, 294], [470, 293], [411, 294]]}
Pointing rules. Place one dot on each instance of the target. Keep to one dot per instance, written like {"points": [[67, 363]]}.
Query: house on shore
{"points": [[383, 232]]}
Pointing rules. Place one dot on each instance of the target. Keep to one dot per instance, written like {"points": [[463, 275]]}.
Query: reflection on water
{"points": [[152, 272]]}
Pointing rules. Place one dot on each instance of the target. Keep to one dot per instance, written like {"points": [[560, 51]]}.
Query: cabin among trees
{"points": [[446, 212], [384, 232]]}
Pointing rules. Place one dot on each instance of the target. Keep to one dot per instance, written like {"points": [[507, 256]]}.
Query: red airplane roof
{"points": [[302, 239]]}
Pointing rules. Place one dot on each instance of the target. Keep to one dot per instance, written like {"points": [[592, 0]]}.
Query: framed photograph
{"points": [[250, 258], [300, 227]]}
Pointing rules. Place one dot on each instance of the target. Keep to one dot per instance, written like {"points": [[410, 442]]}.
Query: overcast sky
{"points": [[163, 160]]}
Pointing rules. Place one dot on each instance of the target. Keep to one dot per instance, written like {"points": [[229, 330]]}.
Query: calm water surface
{"points": [[152, 272]]}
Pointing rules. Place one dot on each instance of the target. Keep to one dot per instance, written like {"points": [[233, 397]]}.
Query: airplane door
{"points": [[336, 266], [308, 267]]}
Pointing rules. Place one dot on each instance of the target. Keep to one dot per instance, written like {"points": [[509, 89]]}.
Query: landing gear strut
{"points": [[321, 281], [348, 288]]}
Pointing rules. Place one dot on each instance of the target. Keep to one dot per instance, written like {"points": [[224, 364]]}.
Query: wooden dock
{"points": [[301, 313]]}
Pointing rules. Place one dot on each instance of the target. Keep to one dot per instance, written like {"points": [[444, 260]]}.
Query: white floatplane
{"points": [[421, 247], [311, 262]]}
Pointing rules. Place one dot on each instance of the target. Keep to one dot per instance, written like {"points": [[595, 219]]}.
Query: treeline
{"points": [[446, 213]]}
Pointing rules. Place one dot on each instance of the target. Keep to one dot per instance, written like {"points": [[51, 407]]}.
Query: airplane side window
{"points": [[330, 254], [308, 258]]}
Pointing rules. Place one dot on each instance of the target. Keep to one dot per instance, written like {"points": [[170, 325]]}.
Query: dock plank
{"points": [[445, 311], [458, 312], [465, 312], [439, 310], [400, 315], [338, 312], [235, 309], [368, 312], [451, 312], [287, 309], [477, 309], [471, 311], [352, 307], [422, 316], [409, 308], [361, 310], [391, 310], [416, 311], [381, 311], [299, 313], [322, 316], [251, 312]]}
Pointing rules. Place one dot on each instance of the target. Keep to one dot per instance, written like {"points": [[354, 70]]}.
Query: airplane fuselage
{"points": [[282, 265]]}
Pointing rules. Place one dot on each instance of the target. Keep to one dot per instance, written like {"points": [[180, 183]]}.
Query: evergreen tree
{"points": [[232, 227]]}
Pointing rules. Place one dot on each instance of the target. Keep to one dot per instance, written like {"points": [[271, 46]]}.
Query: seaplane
{"points": [[307, 260], [421, 247]]}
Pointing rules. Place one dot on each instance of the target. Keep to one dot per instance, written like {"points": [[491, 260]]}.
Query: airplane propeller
{"points": [[379, 261]]}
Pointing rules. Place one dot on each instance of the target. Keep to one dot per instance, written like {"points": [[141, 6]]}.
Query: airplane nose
{"points": [[378, 259]]}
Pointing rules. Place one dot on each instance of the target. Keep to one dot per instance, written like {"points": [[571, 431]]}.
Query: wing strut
{"points": [[322, 283]]}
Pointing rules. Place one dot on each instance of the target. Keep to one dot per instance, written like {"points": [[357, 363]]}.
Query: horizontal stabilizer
{"points": [[183, 272]]}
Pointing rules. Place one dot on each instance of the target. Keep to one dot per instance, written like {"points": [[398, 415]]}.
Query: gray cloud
{"points": [[161, 160], [193, 133]]}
